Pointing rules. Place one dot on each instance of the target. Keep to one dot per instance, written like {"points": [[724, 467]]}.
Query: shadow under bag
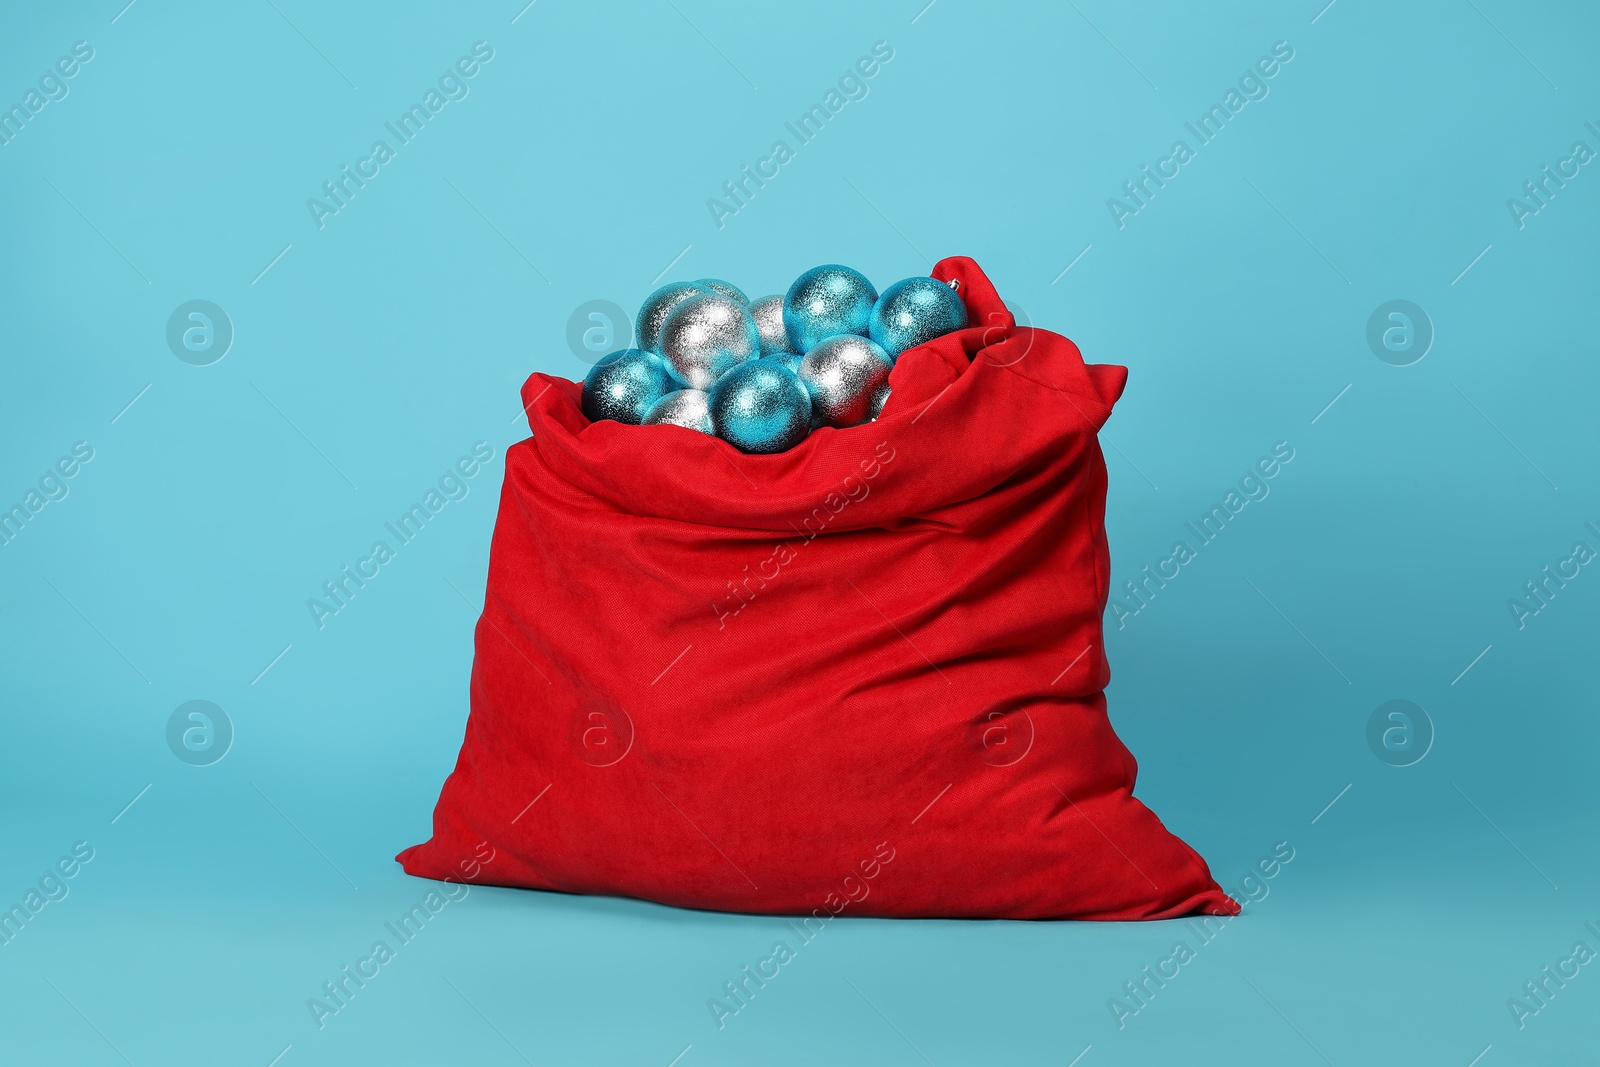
{"points": [[864, 676]]}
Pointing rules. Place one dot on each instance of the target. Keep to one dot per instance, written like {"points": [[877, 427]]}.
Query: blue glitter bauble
{"points": [[913, 311], [623, 385], [657, 306], [760, 407], [825, 301], [843, 374], [717, 285], [705, 336]]}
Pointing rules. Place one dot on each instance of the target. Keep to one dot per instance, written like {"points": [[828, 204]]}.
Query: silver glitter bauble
{"points": [[657, 306], [880, 398], [705, 337], [760, 407], [913, 311], [825, 301], [717, 285], [624, 385], [843, 375], [768, 313], [689, 408]]}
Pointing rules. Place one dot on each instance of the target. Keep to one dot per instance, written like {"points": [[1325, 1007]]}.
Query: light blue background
{"points": [[376, 350]]}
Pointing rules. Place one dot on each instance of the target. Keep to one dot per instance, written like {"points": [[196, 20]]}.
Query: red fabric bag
{"points": [[863, 676]]}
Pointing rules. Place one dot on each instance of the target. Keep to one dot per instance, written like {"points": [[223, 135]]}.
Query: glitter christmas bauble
{"points": [[657, 306], [728, 289], [705, 337], [768, 313], [688, 408], [913, 311], [760, 407], [842, 376], [880, 398], [825, 301], [623, 385]]}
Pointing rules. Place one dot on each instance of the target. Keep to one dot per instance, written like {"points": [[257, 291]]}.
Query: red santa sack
{"points": [[863, 676]]}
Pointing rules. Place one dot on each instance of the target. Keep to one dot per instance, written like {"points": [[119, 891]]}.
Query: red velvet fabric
{"points": [[863, 676]]}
